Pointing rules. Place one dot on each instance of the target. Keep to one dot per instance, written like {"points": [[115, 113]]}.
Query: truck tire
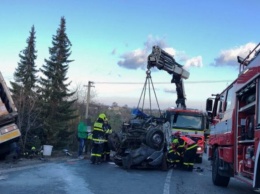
{"points": [[155, 138], [216, 177]]}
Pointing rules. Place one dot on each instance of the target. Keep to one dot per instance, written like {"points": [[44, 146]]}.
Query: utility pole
{"points": [[88, 97]]}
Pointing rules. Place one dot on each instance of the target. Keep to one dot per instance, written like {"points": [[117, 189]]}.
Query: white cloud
{"points": [[134, 59], [138, 58], [229, 57], [194, 62]]}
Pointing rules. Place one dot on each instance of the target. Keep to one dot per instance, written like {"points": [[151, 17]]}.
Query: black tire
{"points": [[155, 138], [216, 177]]}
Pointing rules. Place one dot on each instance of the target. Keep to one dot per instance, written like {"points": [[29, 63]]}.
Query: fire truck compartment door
{"points": [[226, 154]]}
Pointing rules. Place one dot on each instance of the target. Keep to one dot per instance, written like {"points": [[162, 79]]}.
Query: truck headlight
{"points": [[199, 148]]}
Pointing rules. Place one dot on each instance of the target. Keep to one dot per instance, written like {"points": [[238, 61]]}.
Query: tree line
{"points": [[48, 112], [44, 102]]}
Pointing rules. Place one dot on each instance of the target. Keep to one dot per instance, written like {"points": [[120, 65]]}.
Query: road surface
{"points": [[80, 176]]}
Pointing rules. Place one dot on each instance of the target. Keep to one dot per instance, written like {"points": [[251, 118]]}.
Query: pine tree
{"points": [[23, 90], [56, 98]]}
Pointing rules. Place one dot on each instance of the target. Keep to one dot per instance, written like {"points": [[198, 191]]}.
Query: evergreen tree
{"points": [[56, 100], [23, 90]]}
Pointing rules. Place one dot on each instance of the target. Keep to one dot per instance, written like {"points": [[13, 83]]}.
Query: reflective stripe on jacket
{"points": [[98, 126]]}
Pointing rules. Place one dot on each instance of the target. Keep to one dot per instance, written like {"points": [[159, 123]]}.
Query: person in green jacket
{"points": [[82, 136]]}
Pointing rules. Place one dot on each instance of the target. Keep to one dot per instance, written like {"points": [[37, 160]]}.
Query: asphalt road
{"points": [[72, 176]]}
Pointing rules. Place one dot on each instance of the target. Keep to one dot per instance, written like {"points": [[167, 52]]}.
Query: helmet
{"points": [[177, 134], [102, 116], [175, 141]]}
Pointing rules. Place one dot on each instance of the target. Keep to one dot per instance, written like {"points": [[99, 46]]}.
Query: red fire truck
{"points": [[234, 116]]}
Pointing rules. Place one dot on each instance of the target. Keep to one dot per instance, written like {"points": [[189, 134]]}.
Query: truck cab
{"points": [[190, 122]]}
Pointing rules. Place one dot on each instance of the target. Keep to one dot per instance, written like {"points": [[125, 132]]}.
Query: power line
{"points": [[188, 82]]}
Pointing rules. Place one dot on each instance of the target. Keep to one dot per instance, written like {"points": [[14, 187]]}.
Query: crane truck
{"points": [[9, 131], [190, 122], [234, 115], [143, 141]]}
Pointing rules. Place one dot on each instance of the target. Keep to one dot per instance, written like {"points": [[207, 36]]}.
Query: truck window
{"points": [[229, 97], [221, 103], [187, 121]]}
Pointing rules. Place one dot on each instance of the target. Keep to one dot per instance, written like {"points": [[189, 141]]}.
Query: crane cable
{"points": [[147, 84]]}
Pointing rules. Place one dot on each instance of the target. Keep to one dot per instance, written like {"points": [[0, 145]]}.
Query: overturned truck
{"points": [[142, 142], [9, 132]]}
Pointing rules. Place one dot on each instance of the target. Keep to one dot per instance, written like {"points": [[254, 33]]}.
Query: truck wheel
{"points": [[216, 177], [155, 138]]}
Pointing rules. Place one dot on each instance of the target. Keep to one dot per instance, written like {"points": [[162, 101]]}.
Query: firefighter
{"points": [[176, 152], [108, 131], [98, 139], [189, 154], [173, 156]]}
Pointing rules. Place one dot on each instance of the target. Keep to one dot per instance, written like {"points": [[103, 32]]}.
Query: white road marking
{"points": [[166, 189]]}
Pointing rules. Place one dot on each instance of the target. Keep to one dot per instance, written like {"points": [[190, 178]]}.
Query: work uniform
{"points": [[189, 154], [176, 152], [173, 157], [108, 131], [98, 139]]}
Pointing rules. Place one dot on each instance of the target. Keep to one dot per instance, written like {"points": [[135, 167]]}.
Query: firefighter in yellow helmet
{"points": [[176, 151], [98, 139]]}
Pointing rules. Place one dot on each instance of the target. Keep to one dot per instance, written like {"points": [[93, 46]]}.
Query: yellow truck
{"points": [[9, 131]]}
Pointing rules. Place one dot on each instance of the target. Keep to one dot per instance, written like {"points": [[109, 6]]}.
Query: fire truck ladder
{"points": [[147, 86]]}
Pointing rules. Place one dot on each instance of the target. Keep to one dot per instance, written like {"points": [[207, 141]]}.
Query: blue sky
{"points": [[112, 39]]}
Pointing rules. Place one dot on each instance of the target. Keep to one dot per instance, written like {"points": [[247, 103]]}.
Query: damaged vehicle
{"points": [[142, 142]]}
